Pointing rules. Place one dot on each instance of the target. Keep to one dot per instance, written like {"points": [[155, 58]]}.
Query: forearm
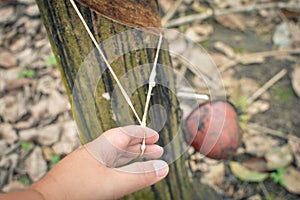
{"points": [[23, 194], [82, 175], [63, 181], [67, 180]]}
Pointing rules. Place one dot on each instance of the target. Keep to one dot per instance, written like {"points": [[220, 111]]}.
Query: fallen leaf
{"points": [[215, 177], [48, 153], [39, 109], [7, 59], [46, 84], [219, 59], [292, 180], [16, 84], [256, 164], [35, 165], [7, 133], [282, 36], [294, 143], [258, 106], [49, 135], [255, 197], [204, 29], [291, 13], [69, 139], [199, 33], [250, 59], [224, 48], [166, 4], [192, 35], [259, 144], [245, 174], [296, 80], [57, 103], [28, 135], [13, 186], [3, 148], [178, 45], [143, 14], [232, 21], [15, 107], [278, 157]]}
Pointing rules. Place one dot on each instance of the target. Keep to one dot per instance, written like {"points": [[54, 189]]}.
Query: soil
{"points": [[20, 38]]}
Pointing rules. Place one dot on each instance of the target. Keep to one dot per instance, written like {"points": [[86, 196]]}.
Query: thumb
{"points": [[139, 175]]}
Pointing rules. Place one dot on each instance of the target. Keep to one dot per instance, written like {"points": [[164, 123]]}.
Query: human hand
{"points": [[91, 171], [119, 146]]}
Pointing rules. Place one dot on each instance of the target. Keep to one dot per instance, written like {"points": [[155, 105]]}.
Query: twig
{"points": [[189, 18], [264, 190], [255, 7], [217, 13], [171, 12], [188, 95], [264, 54], [274, 53], [266, 130], [266, 86]]}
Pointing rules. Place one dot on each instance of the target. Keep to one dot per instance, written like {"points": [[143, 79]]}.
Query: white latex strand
{"points": [[106, 61], [152, 77], [151, 84]]}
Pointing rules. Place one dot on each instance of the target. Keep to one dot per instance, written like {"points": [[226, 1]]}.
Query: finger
{"points": [[114, 144], [136, 134], [152, 151], [137, 176]]}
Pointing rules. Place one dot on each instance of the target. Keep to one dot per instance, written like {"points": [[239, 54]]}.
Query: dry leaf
{"points": [[57, 103], [292, 180], [278, 157], [35, 165], [193, 35], [178, 45], [219, 59], [245, 174], [282, 36], [13, 186], [256, 164], [255, 197], [224, 48], [138, 14], [16, 84], [204, 30], [259, 144], [215, 177], [7, 59], [250, 59], [296, 80], [258, 107], [291, 13], [232, 21], [294, 143]]}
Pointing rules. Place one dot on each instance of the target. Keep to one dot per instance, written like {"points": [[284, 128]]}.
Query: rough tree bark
{"points": [[71, 44]]}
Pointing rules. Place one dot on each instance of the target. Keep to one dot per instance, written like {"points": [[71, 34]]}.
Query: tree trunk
{"points": [[72, 45]]}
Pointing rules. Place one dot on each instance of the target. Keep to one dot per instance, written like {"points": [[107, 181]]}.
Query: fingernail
{"points": [[161, 168]]}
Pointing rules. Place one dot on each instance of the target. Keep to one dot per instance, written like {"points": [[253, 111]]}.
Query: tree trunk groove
{"points": [[72, 45]]}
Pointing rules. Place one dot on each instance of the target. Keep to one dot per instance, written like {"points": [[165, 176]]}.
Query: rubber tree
{"points": [[71, 45]]}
